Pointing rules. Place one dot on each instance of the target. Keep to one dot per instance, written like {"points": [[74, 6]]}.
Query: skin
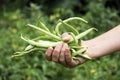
{"points": [[102, 45]]}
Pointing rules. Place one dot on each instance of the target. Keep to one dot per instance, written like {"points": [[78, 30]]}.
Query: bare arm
{"points": [[104, 44]]}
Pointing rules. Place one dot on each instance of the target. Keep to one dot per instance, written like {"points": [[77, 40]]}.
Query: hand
{"points": [[61, 54]]}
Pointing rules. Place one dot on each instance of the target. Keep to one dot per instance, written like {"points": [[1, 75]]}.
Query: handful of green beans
{"points": [[50, 39]]}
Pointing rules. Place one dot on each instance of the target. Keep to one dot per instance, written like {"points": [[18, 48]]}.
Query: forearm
{"points": [[104, 44]]}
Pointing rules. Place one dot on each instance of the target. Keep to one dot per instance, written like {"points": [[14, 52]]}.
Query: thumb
{"points": [[66, 37]]}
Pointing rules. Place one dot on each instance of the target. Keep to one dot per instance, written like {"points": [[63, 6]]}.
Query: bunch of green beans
{"points": [[50, 39]]}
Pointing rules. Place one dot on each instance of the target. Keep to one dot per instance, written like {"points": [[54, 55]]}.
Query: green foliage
{"points": [[35, 66]]}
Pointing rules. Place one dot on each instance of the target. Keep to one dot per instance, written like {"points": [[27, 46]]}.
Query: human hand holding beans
{"points": [[62, 54]]}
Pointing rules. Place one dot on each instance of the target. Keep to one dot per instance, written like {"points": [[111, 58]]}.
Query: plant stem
{"points": [[84, 33]]}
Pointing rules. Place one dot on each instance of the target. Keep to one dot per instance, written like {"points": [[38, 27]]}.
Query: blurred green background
{"points": [[15, 14]]}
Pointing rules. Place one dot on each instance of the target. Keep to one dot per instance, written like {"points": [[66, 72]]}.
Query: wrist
{"points": [[94, 50]]}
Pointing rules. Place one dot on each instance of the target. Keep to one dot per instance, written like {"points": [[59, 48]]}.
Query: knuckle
{"points": [[54, 58], [66, 55], [48, 58], [61, 60], [68, 61], [62, 50], [47, 54], [68, 66], [56, 51], [67, 50], [59, 45]]}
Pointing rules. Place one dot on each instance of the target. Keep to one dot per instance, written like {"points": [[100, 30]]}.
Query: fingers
{"points": [[76, 61], [56, 52], [70, 62], [68, 57], [49, 53], [62, 54], [66, 37]]}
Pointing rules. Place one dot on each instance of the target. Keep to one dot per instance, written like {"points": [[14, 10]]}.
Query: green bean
{"points": [[45, 37], [41, 43], [29, 47], [80, 53], [84, 33], [43, 26], [45, 32], [68, 20], [69, 27], [74, 38], [17, 54], [75, 47]]}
